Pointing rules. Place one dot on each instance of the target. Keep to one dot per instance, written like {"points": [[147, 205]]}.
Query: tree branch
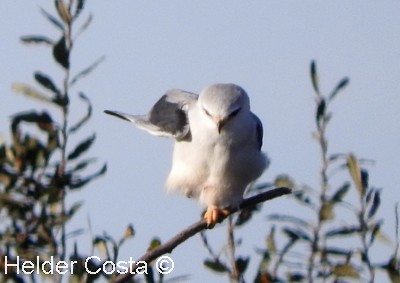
{"points": [[195, 228]]}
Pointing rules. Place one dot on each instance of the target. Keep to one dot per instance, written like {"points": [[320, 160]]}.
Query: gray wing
{"points": [[168, 117], [259, 130]]}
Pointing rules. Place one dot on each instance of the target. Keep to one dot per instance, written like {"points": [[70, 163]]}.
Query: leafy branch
{"points": [[314, 249], [199, 226], [39, 169]]}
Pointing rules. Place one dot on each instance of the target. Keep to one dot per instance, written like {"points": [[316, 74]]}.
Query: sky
{"points": [[264, 46]]}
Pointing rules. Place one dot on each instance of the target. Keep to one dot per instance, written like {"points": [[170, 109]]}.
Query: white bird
{"points": [[217, 151]]}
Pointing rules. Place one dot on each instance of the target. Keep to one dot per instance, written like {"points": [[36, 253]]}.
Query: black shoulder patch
{"points": [[168, 116]]}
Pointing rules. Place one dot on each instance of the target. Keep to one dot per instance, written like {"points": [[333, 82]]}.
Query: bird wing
{"points": [[259, 130], [168, 117]]}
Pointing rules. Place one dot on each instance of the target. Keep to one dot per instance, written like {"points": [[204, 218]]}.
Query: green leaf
{"points": [[53, 193], [61, 100], [129, 232], [375, 204], [82, 147], [87, 70], [314, 77], [375, 231], [109, 239], [246, 214], [79, 7], [102, 171], [289, 244], [369, 195], [284, 180], [76, 184], [341, 85], [30, 92], [100, 244], [271, 245], [364, 180], [83, 164], [53, 20], [84, 26], [337, 252], [343, 231], [336, 156], [296, 277], [355, 172], [296, 234], [242, 264], [321, 109], [36, 39], [260, 187], [45, 81], [86, 118], [63, 11], [61, 53], [75, 233], [304, 198], [155, 242], [340, 193], [215, 265], [326, 211], [291, 219], [346, 270], [393, 269], [74, 208]]}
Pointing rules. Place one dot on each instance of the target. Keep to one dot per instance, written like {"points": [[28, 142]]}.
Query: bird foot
{"points": [[214, 215]]}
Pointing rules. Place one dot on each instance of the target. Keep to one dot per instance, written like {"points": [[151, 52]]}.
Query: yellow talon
{"points": [[215, 215]]}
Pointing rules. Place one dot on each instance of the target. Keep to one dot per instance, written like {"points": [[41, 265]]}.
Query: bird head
{"points": [[222, 102]]}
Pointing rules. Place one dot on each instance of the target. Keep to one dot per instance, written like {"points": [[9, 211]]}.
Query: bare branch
{"points": [[195, 228]]}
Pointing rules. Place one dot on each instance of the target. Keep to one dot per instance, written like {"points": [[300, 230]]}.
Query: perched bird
{"points": [[217, 151]]}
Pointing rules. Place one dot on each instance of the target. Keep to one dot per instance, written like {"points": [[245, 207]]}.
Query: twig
{"points": [[235, 274], [396, 211], [195, 228]]}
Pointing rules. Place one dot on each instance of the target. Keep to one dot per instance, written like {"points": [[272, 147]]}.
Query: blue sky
{"points": [[264, 46]]}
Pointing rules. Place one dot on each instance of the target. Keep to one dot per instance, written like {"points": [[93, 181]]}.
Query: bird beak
{"points": [[219, 122]]}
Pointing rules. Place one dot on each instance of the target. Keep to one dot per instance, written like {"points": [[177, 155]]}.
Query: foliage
{"points": [[44, 162], [334, 246]]}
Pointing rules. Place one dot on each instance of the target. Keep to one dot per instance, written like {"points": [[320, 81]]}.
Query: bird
{"points": [[217, 148]]}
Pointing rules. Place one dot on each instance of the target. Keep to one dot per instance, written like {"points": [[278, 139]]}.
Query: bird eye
{"points": [[234, 113], [207, 113]]}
